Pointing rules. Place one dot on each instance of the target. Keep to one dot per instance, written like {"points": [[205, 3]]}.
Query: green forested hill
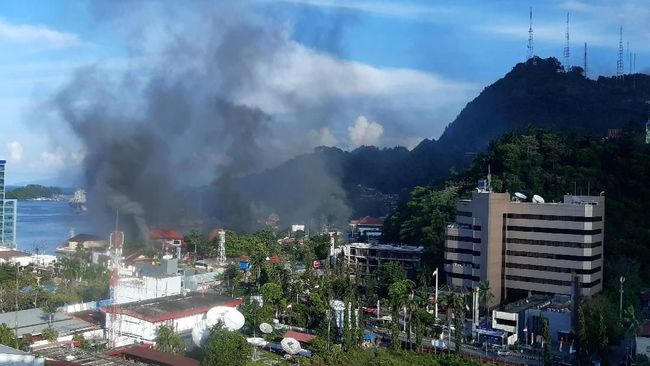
{"points": [[32, 191], [550, 164]]}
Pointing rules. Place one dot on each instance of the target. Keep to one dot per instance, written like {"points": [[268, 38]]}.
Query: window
{"points": [[463, 251], [555, 218], [555, 256], [553, 269], [552, 243], [463, 238], [553, 230]]}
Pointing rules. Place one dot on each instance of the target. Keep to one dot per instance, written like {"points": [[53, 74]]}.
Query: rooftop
{"points": [[390, 247], [299, 336], [531, 302], [368, 220], [173, 307], [168, 234], [81, 238], [7, 254], [146, 354], [34, 321]]}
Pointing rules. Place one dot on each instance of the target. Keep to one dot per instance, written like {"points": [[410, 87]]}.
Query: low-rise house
{"points": [[29, 324], [15, 257], [137, 322], [368, 227], [89, 242]]}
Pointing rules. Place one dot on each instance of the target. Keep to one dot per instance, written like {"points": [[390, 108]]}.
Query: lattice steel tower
{"points": [[620, 68], [567, 63], [530, 36]]}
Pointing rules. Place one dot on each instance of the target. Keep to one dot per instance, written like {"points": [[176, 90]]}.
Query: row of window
{"points": [[463, 263], [553, 269], [464, 251], [555, 217], [464, 213], [463, 238], [553, 230], [546, 281], [579, 258], [551, 243], [463, 276]]}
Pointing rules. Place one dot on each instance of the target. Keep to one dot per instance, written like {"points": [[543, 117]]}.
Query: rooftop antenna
{"points": [[530, 36], [567, 66], [619, 64], [585, 65]]}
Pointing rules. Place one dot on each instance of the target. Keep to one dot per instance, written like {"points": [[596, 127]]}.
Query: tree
{"points": [[83, 342], [398, 294], [8, 337], [226, 348], [50, 334], [548, 361], [273, 297], [631, 323], [388, 273], [49, 308], [454, 304], [485, 296], [168, 341]]}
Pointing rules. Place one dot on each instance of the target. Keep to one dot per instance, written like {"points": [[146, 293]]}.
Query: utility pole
{"points": [[620, 304], [435, 273]]}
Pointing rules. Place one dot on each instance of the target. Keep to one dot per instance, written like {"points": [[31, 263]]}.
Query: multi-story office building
{"points": [[526, 247], [8, 213]]}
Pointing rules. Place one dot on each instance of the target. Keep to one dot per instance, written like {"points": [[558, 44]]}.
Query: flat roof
{"points": [[34, 321], [147, 354], [174, 307], [393, 247], [531, 302]]}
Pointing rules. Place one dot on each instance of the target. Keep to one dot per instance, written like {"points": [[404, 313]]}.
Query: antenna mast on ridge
{"points": [[567, 63], [530, 36], [619, 64], [585, 65]]}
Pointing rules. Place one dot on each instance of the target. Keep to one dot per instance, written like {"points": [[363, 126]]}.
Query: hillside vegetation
{"points": [[32, 191]]}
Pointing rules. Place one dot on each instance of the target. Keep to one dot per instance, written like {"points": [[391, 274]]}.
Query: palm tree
{"points": [[631, 323], [168, 341], [485, 296], [399, 296], [454, 304]]}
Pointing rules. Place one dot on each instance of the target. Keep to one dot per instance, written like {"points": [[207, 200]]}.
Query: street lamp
{"points": [[435, 273], [620, 304]]}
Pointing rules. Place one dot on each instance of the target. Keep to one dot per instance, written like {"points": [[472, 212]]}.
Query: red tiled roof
{"points": [[145, 353], [299, 336], [368, 220], [169, 234]]}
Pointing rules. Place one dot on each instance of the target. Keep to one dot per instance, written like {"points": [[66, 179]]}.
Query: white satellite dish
{"points": [[257, 341], [538, 199], [266, 328], [520, 196], [200, 333], [215, 315], [233, 319], [337, 305], [290, 345]]}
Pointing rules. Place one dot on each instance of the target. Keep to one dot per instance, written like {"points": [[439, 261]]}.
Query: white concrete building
{"points": [[364, 258], [138, 322]]}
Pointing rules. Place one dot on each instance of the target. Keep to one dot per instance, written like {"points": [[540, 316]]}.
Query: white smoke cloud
{"points": [[364, 132], [15, 151], [53, 158], [321, 137]]}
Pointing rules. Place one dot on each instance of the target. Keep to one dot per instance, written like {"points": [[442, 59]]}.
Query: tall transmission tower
{"points": [[585, 64], [620, 69], [567, 63], [530, 36], [629, 59]]}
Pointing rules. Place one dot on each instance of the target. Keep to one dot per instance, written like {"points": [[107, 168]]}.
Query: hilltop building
{"points": [[364, 258], [526, 247], [8, 213]]}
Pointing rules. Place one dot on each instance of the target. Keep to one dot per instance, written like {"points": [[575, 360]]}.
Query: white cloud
{"points": [[53, 159], [36, 36], [364, 132], [15, 151], [321, 137]]}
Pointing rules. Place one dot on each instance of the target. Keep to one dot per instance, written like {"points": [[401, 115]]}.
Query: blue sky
{"points": [[415, 64]]}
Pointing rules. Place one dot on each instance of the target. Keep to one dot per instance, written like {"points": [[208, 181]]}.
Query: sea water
{"points": [[44, 225]]}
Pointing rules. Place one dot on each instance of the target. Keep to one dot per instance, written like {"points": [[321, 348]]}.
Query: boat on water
{"points": [[78, 201]]}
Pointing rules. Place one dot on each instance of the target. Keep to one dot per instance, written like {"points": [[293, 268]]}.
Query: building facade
{"points": [[526, 247], [8, 213], [364, 258]]}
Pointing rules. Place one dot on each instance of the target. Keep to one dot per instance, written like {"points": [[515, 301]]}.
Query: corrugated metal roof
{"points": [[34, 321]]}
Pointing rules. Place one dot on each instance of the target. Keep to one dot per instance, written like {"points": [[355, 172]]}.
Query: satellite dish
{"points": [[257, 341], [233, 319], [290, 345], [538, 199], [520, 196], [337, 305], [266, 328], [200, 333], [215, 315]]}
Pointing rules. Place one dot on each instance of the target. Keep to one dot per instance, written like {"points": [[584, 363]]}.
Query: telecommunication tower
{"points": [[530, 36], [619, 64], [567, 63], [116, 241], [585, 64]]}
